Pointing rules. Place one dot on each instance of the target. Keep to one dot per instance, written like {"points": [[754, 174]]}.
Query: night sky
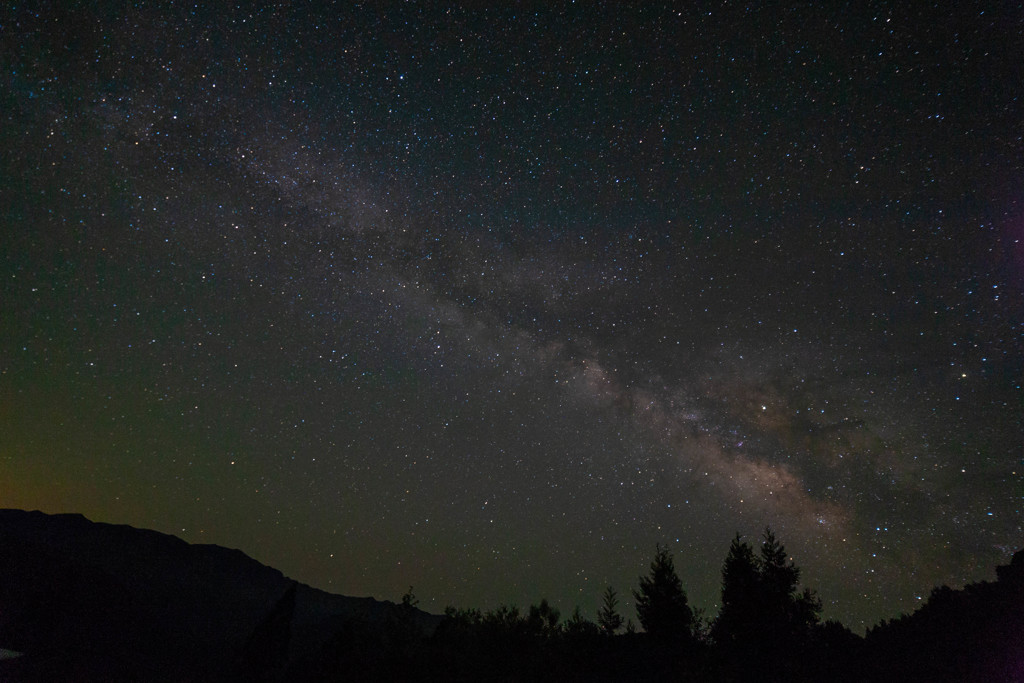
{"points": [[491, 301]]}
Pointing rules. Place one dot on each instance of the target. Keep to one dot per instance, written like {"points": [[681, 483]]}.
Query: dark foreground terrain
{"points": [[83, 601], [91, 601]]}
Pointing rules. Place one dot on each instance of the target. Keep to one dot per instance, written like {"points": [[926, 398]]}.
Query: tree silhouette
{"points": [[608, 617], [576, 626], [795, 613], [763, 616], [738, 616], [409, 600], [543, 619], [661, 604]]}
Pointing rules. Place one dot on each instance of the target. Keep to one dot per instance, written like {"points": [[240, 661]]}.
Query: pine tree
{"points": [[778, 577], [661, 603], [741, 595], [761, 606], [608, 617], [792, 612]]}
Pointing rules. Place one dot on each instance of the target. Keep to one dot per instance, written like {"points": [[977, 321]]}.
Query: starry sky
{"points": [[491, 301]]}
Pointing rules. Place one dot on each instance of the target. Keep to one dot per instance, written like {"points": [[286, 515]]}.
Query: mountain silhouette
{"points": [[972, 634], [82, 600]]}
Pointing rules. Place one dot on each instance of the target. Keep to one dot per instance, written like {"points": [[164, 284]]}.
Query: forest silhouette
{"points": [[768, 628], [85, 601]]}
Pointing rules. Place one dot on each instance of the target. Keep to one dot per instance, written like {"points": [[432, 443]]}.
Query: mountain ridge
{"points": [[115, 598]]}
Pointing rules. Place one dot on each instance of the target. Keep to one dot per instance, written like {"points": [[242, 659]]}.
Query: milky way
{"points": [[491, 302]]}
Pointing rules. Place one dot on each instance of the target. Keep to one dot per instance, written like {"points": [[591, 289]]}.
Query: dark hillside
{"points": [[97, 601], [974, 634]]}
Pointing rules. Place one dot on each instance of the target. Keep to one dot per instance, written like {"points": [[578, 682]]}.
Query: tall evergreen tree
{"points": [[608, 617], [761, 605], [795, 613], [661, 603], [741, 595], [779, 578]]}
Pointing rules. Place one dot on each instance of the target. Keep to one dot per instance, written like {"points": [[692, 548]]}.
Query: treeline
{"points": [[768, 628]]}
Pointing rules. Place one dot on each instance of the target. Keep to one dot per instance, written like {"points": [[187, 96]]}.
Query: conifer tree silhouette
{"points": [[737, 618], [762, 612], [608, 617], [661, 603]]}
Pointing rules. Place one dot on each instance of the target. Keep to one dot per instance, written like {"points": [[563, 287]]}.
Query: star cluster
{"points": [[491, 301]]}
